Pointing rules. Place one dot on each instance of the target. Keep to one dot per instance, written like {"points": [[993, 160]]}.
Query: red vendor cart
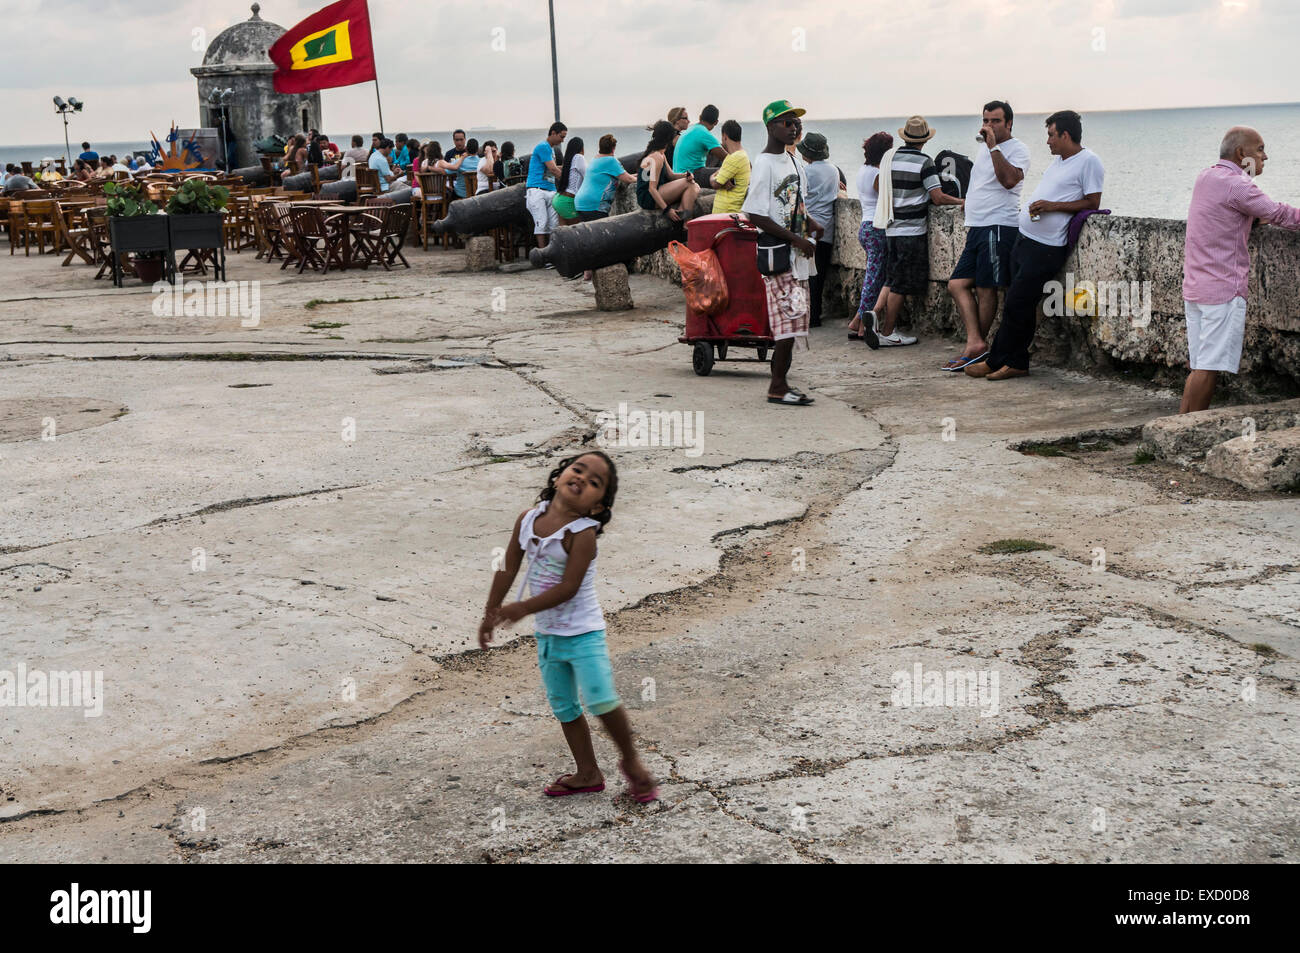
{"points": [[744, 324]]}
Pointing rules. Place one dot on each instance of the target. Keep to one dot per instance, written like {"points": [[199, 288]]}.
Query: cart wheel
{"points": [[703, 359], [762, 354], [722, 351]]}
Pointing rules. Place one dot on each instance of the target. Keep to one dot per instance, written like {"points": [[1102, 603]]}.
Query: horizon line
{"points": [[1026, 112]]}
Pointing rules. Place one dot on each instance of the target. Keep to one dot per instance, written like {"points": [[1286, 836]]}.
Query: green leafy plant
{"points": [[196, 197], [127, 200]]}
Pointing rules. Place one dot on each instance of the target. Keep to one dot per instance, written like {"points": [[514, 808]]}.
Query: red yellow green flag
{"points": [[330, 48]]}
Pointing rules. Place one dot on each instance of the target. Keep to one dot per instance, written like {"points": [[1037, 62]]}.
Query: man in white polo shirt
{"points": [[1071, 184], [992, 220]]}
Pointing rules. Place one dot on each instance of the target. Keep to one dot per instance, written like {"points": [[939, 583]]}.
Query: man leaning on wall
{"points": [[1226, 205]]}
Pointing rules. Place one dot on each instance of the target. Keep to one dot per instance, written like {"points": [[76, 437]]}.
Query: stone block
{"points": [[1186, 438], [481, 254], [1269, 460], [612, 291]]}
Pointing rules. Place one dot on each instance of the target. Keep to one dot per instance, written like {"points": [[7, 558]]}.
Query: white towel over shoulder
{"points": [[885, 192]]}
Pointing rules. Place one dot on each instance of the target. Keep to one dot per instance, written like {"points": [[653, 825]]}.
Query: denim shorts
{"points": [[576, 663], [987, 255]]}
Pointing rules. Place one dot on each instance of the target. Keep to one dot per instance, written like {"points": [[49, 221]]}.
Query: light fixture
{"points": [[72, 105]]}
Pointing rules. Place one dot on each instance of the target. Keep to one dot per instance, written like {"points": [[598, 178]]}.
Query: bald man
{"points": [[1226, 205]]}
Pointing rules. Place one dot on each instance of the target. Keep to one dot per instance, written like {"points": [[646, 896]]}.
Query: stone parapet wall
{"points": [[1114, 249]]}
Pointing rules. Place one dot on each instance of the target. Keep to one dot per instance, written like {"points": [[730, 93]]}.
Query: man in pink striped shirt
{"points": [[1216, 261]]}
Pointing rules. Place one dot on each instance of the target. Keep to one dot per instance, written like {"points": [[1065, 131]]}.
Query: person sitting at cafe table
{"points": [[379, 161]]}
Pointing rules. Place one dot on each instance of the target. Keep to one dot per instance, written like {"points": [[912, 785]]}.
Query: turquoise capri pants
{"points": [[576, 663]]}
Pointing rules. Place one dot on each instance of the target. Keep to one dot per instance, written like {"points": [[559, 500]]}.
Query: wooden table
{"points": [[348, 211]]}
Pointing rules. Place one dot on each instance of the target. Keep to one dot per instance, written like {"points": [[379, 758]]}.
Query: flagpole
{"points": [[380, 103], [555, 69]]}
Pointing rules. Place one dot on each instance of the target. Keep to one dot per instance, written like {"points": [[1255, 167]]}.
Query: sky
{"points": [[469, 63]]}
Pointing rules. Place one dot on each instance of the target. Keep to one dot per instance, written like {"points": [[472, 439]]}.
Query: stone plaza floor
{"points": [[275, 541]]}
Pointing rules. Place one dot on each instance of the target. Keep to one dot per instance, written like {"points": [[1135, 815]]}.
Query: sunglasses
{"points": [[792, 122]]}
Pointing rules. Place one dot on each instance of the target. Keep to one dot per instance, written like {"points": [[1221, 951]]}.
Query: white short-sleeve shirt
{"points": [[987, 202], [1066, 180], [776, 181]]}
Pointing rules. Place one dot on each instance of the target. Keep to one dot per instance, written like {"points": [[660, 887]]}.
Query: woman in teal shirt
{"points": [[596, 195]]}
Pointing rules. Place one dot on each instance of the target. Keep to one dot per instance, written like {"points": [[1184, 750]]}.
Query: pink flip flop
{"points": [[565, 790], [645, 797]]}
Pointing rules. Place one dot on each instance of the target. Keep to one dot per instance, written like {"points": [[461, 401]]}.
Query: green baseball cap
{"points": [[779, 108]]}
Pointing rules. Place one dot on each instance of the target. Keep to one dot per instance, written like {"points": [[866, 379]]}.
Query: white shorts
{"points": [[1214, 335], [545, 220]]}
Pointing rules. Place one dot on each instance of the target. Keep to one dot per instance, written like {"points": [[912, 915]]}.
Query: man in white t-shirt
{"points": [[775, 205], [1071, 184], [992, 216]]}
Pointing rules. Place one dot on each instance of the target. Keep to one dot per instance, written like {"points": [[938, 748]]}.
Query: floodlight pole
{"points": [[555, 69]]}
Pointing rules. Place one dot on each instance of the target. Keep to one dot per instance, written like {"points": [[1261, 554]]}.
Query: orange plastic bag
{"points": [[702, 279]]}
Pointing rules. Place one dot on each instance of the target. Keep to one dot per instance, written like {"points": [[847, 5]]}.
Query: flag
{"points": [[329, 48]]}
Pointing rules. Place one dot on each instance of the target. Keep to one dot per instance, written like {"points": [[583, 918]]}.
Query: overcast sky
{"points": [[623, 62]]}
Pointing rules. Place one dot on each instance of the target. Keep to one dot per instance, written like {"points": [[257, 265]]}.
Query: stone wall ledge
{"points": [[1115, 249]]}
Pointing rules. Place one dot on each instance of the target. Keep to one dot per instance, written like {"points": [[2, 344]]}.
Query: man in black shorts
{"points": [[992, 226], [915, 183]]}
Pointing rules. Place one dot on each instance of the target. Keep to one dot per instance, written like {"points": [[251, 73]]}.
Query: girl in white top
{"points": [[558, 536], [486, 164]]}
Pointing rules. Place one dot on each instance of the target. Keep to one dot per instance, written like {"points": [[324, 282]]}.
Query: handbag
{"points": [[775, 255]]}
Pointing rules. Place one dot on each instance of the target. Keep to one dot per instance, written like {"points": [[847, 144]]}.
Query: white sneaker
{"points": [[896, 340]]}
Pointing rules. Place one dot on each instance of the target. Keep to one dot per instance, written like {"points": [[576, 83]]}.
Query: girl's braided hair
{"points": [[611, 486]]}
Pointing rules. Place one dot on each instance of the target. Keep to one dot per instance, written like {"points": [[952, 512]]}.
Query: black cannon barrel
{"points": [[486, 211], [606, 241], [345, 190], [253, 175]]}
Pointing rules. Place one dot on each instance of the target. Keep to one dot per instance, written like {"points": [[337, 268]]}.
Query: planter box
{"points": [[139, 234], [196, 231]]}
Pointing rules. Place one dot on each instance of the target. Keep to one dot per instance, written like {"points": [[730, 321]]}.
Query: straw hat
{"points": [[916, 131]]}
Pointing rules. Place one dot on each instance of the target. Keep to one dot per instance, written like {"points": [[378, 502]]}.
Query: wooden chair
{"points": [[97, 222], [393, 237], [315, 179], [18, 226], [368, 231], [367, 182], [239, 228], [271, 239], [41, 215], [320, 239], [288, 233], [432, 204], [80, 242], [291, 167]]}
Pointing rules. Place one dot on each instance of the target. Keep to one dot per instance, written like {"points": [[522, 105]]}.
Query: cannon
{"points": [[482, 213], [254, 176], [344, 190], [302, 181], [606, 241]]}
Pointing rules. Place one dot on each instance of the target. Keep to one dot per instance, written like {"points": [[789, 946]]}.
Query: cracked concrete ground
{"points": [[275, 543]]}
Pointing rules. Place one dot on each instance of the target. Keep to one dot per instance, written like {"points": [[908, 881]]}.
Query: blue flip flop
{"points": [[959, 363]]}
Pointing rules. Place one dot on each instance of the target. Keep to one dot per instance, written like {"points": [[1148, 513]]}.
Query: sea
{"points": [[1151, 156]]}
